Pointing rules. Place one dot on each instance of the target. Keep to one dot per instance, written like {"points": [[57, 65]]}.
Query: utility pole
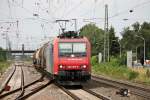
{"points": [[22, 50], [106, 34]]}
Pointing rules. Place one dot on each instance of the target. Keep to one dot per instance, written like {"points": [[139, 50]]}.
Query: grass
{"points": [[118, 71], [114, 71], [3, 66], [144, 75]]}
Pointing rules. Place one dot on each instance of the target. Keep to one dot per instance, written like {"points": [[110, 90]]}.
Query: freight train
{"points": [[66, 58]]}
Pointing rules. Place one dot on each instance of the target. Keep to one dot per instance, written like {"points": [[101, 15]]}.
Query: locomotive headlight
{"points": [[84, 66], [60, 66]]}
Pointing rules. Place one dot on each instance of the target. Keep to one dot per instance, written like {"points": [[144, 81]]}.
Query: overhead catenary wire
{"points": [[50, 11], [65, 8], [115, 15], [14, 3], [127, 10], [98, 3], [46, 9], [121, 12], [73, 8], [99, 18], [28, 11], [93, 17], [10, 13]]}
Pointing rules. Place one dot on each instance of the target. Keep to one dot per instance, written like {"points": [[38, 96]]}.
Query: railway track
{"points": [[27, 90], [22, 84], [17, 65], [135, 90], [30, 91], [75, 96], [24, 91], [7, 80], [101, 96]]}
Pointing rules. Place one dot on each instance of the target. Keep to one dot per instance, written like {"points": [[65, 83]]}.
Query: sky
{"points": [[20, 25]]}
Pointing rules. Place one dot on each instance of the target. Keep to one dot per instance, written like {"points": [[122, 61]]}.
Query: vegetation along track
{"points": [[76, 97], [7, 80], [136, 90]]}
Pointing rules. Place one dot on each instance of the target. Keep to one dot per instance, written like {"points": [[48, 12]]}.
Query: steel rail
{"points": [[35, 91], [18, 89], [121, 83], [133, 89], [23, 87], [68, 92], [22, 84], [101, 96]]}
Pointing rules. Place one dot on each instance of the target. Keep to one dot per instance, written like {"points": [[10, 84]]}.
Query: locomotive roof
{"points": [[83, 39], [69, 34]]}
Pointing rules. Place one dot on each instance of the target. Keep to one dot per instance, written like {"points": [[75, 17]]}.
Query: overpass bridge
{"points": [[22, 51], [18, 52]]}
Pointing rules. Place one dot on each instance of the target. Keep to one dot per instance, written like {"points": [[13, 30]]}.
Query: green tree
{"points": [[114, 43], [145, 33], [95, 36], [130, 41], [136, 26]]}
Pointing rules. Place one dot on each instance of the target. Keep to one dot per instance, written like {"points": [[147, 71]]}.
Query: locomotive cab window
{"points": [[69, 49]]}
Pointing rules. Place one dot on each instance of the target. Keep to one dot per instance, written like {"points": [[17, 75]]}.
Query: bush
{"points": [[2, 55], [117, 61], [94, 60], [115, 69], [113, 62], [122, 60], [133, 75], [4, 65]]}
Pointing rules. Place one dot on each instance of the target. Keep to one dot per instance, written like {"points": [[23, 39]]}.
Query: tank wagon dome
{"points": [[37, 54], [48, 40]]}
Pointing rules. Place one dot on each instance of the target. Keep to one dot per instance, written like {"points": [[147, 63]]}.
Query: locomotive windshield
{"points": [[68, 49]]}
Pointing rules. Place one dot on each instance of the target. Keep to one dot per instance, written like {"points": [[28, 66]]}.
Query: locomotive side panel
{"points": [[43, 59], [55, 56], [49, 58], [89, 55]]}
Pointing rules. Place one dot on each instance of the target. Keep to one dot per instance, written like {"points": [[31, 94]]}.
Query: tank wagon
{"points": [[66, 58]]}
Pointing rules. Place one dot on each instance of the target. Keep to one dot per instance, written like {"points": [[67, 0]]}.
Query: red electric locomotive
{"points": [[67, 58]]}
